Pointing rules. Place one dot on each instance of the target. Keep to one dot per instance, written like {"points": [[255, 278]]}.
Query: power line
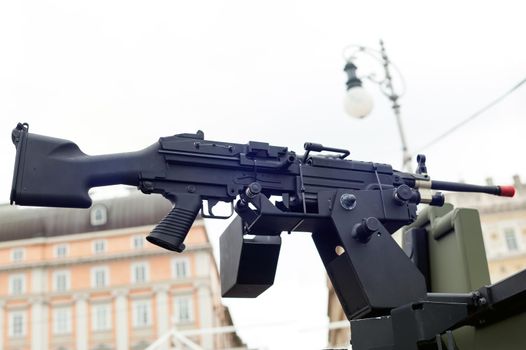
{"points": [[473, 116]]}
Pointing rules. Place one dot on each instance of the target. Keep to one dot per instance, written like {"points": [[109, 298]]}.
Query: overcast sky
{"points": [[116, 75]]}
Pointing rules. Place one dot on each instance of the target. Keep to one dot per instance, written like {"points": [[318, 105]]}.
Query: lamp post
{"points": [[358, 103]]}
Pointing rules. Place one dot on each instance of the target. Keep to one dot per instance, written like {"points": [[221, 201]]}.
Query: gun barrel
{"points": [[504, 191]]}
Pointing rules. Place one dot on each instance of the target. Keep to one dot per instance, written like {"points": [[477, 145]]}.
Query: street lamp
{"points": [[358, 103]]}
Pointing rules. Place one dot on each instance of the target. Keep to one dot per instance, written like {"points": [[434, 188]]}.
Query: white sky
{"points": [[115, 75]]}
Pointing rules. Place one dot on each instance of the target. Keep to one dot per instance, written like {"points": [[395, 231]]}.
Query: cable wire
{"points": [[473, 116]]}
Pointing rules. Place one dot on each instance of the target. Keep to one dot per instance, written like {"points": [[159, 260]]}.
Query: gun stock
{"points": [[55, 172]]}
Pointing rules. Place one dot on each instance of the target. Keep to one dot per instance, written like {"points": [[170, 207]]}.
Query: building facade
{"points": [[88, 279], [338, 337], [503, 222]]}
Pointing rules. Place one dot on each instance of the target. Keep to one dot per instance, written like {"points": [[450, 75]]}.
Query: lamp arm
{"points": [[361, 49], [378, 57]]}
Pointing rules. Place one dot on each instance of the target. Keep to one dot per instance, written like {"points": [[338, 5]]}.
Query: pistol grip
{"points": [[171, 232]]}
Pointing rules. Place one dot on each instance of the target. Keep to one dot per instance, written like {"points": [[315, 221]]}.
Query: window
{"points": [[140, 272], [98, 215], [183, 309], [61, 250], [138, 242], [62, 320], [99, 246], [511, 239], [142, 313], [180, 267], [17, 284], [100, 277], [61, 281], [101, 317], [17, 324], [17, 254]]}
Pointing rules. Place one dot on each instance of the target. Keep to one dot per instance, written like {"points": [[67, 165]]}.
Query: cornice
{"points": [[507, 256], [70, 237], [101, 258], [172, 287], [502, 208]]}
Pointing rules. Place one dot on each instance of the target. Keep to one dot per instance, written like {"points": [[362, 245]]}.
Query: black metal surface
{"points": [[513, 287], [372, 334], [316, 147], [422, 321], [367, 287], [419, 325], [414, 326], [501, 300], [55, 172], [421, 164], [461, 187], [247, 266]]}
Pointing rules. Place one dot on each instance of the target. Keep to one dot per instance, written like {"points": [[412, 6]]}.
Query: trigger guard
{"points": [[211, 215]]}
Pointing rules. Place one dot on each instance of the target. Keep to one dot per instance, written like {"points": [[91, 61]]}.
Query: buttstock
{"points": [[44, 174], [54, 172]]}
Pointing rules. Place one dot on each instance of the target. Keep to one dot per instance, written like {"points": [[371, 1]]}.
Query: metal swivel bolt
{"points": [[253, 189], [364, 230], [251, 192], [402, 194]]}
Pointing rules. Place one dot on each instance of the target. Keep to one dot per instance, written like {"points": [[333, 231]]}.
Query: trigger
{"points": [[211, 203]]}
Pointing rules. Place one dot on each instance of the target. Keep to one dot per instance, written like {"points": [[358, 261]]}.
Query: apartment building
{"points": [[87, 279]]}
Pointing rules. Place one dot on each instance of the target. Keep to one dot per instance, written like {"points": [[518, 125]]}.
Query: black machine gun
{"points": [[351, 207]]}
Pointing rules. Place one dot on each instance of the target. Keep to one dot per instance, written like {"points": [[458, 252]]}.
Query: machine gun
{"points": [[351, 207]]}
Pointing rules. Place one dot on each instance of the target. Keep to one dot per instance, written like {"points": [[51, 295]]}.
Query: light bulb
{"points": [[358, 103]]}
